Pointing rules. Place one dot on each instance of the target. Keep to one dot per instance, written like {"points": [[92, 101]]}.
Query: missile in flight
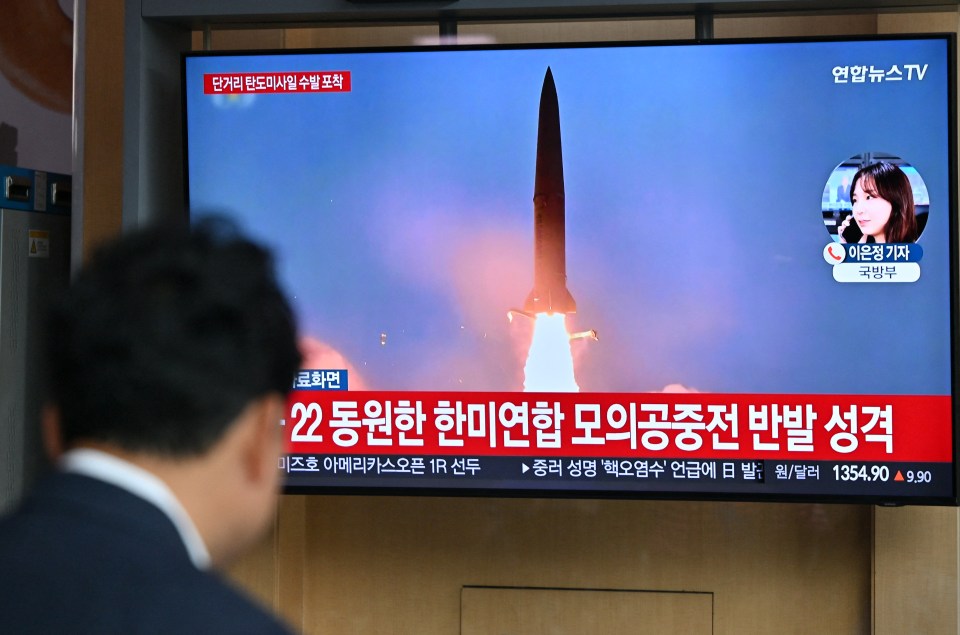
{"points": [[549, 294]]}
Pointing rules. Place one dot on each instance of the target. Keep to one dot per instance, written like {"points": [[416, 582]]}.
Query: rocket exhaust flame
{"points": [[549, 366]]}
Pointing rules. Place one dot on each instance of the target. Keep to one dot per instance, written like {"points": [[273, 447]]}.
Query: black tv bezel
{"points": [[600, 494]]}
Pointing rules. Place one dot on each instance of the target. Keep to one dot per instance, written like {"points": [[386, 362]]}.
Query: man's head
{"points": [[165, 336], [167, 344]]}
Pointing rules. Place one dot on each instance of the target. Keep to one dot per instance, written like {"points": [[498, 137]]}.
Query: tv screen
{"points": [[721, 270]]}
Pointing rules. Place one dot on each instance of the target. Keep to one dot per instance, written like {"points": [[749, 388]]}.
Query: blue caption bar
{"points": [[884, 252], [319, 379]]}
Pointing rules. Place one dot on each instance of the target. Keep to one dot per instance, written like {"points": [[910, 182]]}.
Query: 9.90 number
{"points": [[920, 476]]}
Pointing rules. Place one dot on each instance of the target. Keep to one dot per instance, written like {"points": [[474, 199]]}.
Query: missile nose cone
{"points": [[549, 87], [549, 171]]}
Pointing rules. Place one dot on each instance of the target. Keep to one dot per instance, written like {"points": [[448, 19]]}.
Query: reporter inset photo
{"points": [[875, 198]]}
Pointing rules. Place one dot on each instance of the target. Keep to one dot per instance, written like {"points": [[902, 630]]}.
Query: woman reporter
{"points": [[883, 208]]}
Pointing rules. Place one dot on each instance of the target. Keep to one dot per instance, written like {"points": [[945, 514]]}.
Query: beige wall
{"points": [[436, 565]]}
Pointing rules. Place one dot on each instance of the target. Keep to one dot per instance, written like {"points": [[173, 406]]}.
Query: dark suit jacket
{"points": [[84, 556]]}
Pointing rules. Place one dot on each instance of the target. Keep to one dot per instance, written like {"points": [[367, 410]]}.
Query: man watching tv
{"points": [[170, 358]]}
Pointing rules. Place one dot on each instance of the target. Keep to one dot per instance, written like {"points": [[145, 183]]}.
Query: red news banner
{"points": [[283, 82], [718, 426]]}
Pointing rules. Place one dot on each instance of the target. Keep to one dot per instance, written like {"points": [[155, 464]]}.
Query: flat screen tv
{"points": [[722, 270]]}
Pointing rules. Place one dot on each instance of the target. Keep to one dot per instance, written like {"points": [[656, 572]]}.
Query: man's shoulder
{"points": [[78, 510], [85, 557], [73, 537], [190, 602], [206, 603]]}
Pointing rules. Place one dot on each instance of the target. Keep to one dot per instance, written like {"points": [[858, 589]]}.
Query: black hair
{"points": [[165, 336]]}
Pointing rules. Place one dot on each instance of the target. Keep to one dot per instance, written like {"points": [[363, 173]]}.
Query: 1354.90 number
{"points": [[861, 473]]}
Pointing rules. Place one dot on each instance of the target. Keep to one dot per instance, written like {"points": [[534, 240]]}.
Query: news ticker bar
{"points": [[823, 478]]}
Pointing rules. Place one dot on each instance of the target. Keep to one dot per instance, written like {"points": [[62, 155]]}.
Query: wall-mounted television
{"points": [[721, 270]]}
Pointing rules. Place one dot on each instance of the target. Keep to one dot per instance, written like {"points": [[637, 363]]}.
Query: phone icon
{"points": [[834, 253]]}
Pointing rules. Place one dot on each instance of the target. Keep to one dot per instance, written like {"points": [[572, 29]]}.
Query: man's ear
{"points": [[51, 432], [264, 439]]}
